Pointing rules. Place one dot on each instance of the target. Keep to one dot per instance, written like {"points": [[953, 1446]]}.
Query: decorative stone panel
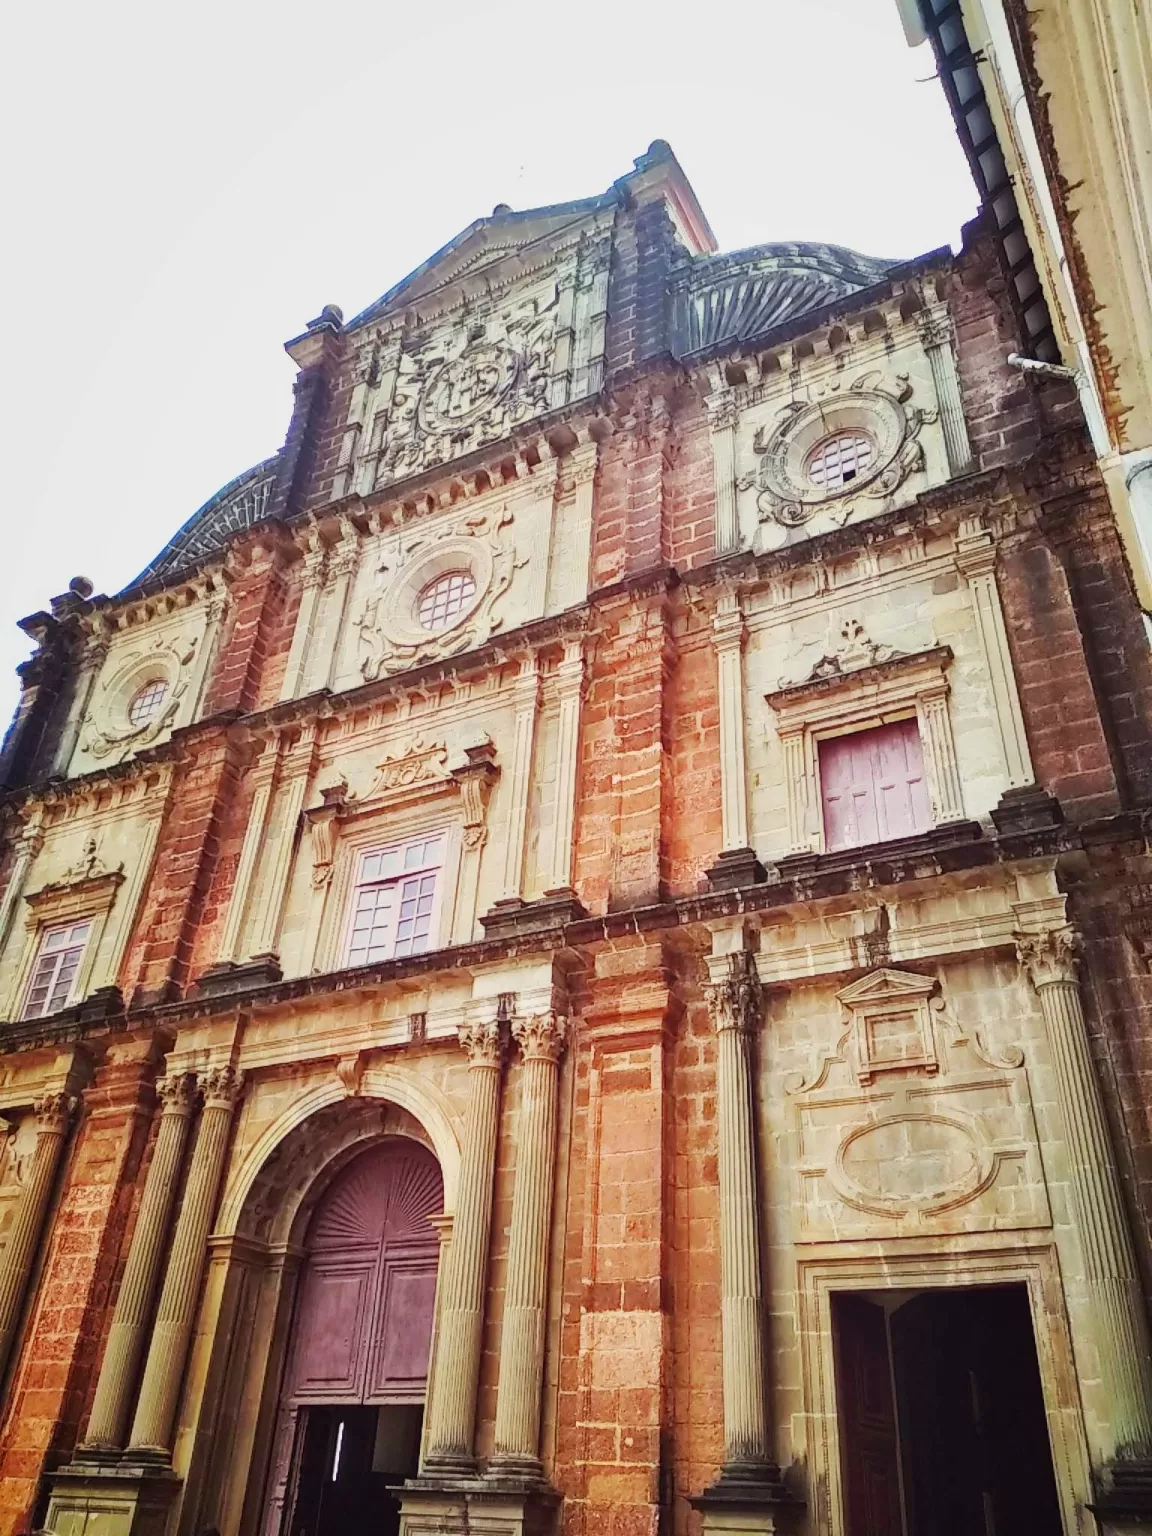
{"points": [[909, 1125]]}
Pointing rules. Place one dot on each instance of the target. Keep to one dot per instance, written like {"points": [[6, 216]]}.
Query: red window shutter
{"points": [[872, 786]]}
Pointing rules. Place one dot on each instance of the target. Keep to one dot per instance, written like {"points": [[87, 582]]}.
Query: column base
{"points": [[736, 867], [492, 1505], [97, 1498], [1125, 1502], [746, 1501]]}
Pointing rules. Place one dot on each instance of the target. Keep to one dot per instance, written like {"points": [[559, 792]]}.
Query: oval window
{"points": [[839, 459], [147, 701], [444, 598]]}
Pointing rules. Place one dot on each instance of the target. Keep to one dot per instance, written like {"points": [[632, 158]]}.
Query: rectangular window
{"points": [[394, 901], [872, 786], [57, 963]]}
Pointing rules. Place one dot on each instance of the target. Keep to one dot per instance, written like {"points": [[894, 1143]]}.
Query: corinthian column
{"points": [[126, 1337], [52, 1115], [452, 1410], [517, 1447], [172, 1333], [735, 1009], [1114, 1313]]}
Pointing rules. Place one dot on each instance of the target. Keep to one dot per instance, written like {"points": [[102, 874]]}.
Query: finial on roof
{"points": [[81, 586], [501, 208], [331, 315], [660, 149]]}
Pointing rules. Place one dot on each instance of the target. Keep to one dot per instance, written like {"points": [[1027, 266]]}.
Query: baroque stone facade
{"points": [[571, 911]]}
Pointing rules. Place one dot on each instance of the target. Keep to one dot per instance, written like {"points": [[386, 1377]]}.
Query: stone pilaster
{"points": [[527, 701], [517, 1440], [569, 693], [475, 775], [936, 335], [452, 1409], [722, 422], [27, 846], [313, 569], [342, 566], [935, 724], [737, 864], [262, 774], [172, 1333], [109, 1417], [1114, 1317], [53, 1112], [295, 776], [976, 559]]}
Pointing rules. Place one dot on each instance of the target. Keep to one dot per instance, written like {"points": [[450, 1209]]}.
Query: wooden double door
{"points": [[941, 1416], [348, 1428]]}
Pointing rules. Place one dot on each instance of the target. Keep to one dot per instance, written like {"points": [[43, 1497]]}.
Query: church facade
{"points": [[576, 950]]}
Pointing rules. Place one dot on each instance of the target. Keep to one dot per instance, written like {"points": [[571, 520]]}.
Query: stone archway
{"points": [[358, 1354], [257, 1253]]}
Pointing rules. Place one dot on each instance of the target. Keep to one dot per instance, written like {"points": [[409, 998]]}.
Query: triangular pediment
{"points": [[489, 245], [886, 986]]}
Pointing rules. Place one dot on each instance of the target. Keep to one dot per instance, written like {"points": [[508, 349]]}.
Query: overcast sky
{"points": [[184, 186]]}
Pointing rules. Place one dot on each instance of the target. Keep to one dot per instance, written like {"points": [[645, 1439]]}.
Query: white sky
{"points": [[184, 186]]}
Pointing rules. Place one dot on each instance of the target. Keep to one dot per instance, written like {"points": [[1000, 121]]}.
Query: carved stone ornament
{"points": [[1049, 957], [788, 495], [53, 1112], [416, 763], [910, 1124], [222, 1086], [737, 1001], [541, 1037], [483, 1042], [107, 728], [465, 384], [177, 1093], [479, 543], [855, 650]]}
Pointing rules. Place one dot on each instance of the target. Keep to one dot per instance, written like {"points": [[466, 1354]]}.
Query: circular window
{"points": [[147, 701], [839, 459], [444, 598]]}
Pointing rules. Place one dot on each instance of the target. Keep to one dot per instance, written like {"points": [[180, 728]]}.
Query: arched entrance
{"points": [[352, 1400]]}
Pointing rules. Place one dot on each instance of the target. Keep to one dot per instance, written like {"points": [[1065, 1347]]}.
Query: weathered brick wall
{"points": [[51, 1389]]}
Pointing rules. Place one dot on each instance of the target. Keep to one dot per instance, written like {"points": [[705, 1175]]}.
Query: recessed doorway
{"points": [[351, 1461], [941, 1415], [352, 1401]]}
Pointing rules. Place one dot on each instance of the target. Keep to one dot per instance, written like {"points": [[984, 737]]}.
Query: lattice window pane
{"points": [[394, 901], [54, 973], [147, 702], [838, 460], [445, 597]]}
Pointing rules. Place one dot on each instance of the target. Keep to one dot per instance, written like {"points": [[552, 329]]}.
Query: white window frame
{"points": [[359, 883], [74, 987]]}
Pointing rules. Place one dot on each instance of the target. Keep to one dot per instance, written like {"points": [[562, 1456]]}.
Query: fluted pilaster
{"points": [[452, 1410], [109, 1418], [541, 1041], [53, 1113], [1116, 1305], [172, 1333], [735, 1008]]}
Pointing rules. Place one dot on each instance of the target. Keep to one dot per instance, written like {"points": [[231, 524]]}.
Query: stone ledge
{"points": [[552, 912]]}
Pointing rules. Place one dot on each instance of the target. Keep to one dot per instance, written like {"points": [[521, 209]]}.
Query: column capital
{"points": [[1049, 956], [721, 408], [222, 1086], [542, 1036], [728, 620], [737, 1002], [483, 1042], [53, 1111], [177, 1093]]}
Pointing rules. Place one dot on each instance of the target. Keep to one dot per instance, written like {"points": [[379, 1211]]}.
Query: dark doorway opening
{"points": [[349, 1461], [941, 1415]]}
